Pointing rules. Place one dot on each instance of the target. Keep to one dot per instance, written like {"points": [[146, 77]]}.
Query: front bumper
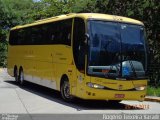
{"points": [[101, 94]]}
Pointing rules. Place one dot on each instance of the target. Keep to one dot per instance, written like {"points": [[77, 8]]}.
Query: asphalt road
{"points": [[35, 99]]}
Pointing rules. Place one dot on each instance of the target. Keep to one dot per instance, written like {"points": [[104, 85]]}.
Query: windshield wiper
{"points": [[133, 69]]}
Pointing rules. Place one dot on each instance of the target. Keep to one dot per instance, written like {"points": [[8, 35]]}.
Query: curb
{"points": [[152, 99]]}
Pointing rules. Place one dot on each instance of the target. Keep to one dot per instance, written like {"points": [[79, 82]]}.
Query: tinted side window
{"points": [[46, 32], [50, 33], [62, 32], [79, 43], [13, 37], [67, 29], [17, 37]]}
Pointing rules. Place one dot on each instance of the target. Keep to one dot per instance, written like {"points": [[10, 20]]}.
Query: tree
{"points": [[12, 12], [50, 8]]}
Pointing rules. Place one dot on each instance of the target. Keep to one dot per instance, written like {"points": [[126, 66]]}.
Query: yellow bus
{"points": [[86, 55]]}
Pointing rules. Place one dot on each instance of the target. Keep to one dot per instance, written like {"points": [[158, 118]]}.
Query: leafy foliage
{"points": [[12, 12], [49, 8]]}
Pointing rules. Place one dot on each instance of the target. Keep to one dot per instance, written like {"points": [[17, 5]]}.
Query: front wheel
{"points": [[65, 91]]}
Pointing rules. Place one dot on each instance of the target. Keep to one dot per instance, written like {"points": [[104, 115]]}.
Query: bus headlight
{"points": [[140, 88], [93, 85]]}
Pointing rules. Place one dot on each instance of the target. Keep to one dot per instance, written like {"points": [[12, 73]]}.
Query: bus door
{"points": [[79, 53]]}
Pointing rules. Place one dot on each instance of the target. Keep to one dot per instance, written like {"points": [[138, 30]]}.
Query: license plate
{"points": [[119, 95]]}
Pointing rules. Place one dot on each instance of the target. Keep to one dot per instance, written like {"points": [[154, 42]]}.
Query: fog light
{"points": [[140, 88]]}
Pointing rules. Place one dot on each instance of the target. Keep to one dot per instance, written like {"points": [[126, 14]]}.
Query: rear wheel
{"points": [[65, 91], [16, 75], [21, 77]]}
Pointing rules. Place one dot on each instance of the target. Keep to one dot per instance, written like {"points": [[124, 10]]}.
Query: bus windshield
{"points": [[116, 50]]}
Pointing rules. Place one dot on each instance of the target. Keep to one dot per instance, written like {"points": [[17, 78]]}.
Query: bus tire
{"points": [[21, 77], [16, 75], [65, 90]]}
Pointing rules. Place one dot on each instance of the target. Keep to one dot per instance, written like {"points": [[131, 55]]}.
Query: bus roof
{"points": [[95, 16]]}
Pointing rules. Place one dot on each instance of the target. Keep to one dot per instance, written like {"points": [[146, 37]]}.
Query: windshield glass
{"points": [[116, 49]]}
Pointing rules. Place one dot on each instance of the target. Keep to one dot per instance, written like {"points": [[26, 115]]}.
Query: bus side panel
{"points": [[62, 61], [14, 57]]}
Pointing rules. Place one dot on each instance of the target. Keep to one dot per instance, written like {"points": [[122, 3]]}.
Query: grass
{"points": [[152, 91]]}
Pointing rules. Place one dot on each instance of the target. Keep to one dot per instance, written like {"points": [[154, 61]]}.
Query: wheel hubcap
{"points": [[67, 90]]}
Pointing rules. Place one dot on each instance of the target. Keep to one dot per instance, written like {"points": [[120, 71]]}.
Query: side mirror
{"points": [[86, 37], [86, 41]]}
